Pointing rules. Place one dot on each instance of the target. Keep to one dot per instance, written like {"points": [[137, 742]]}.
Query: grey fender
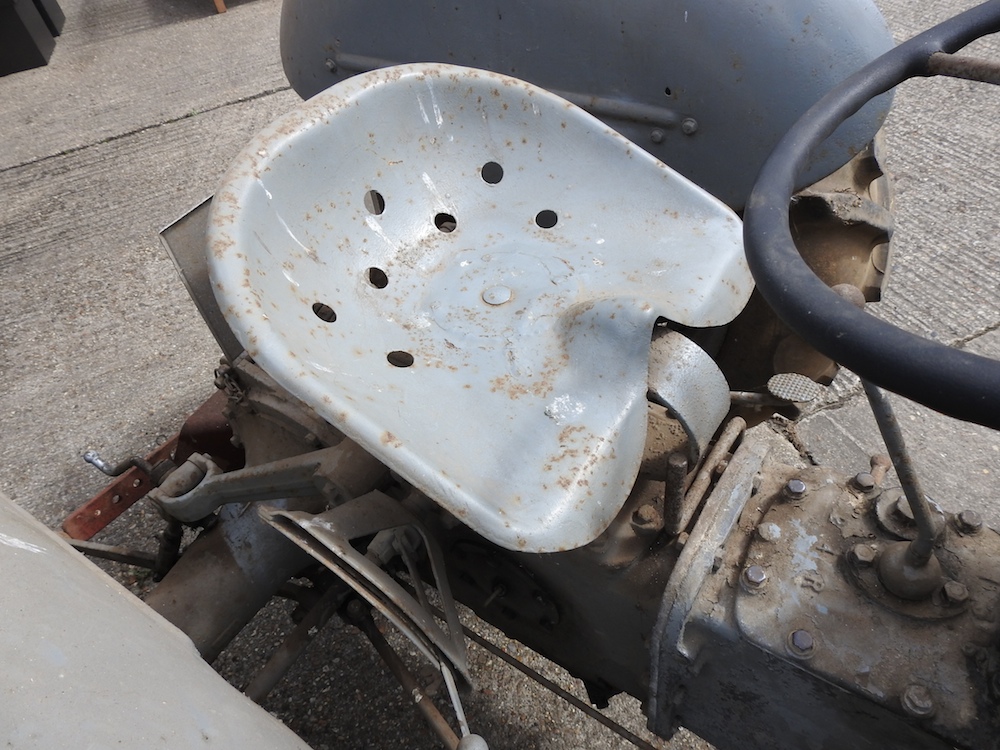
{"points": [[86, 664], [707, 87]]}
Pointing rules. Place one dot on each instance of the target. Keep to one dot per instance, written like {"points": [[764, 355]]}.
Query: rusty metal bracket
{"points": [[104, 507], [205, 430]]}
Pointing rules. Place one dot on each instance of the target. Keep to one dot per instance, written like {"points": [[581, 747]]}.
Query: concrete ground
{"points": [[134, 121]]}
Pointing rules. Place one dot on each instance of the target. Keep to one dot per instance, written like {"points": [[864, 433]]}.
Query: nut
{"points": [[955, 593], [862, 555], [917, 701], [969, 522]]}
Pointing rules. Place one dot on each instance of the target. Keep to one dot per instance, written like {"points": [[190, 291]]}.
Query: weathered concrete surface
{"points": [[941, 139], [135, 119]]}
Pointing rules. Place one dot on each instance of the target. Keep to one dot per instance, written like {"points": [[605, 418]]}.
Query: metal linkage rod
{"points": [[921, 549], [546, 683], [968, 68], [296, 643], [359, 615]]}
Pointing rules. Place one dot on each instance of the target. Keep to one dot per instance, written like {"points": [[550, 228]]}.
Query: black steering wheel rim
{"points": [[954, 382]]}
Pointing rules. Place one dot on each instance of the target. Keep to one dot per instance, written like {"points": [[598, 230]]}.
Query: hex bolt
{"points": [[955, 593], [801, 642], [901, 509], [754, 576], [657, 135], [689, 126], [864, 481], [795, 489], [331, 65], [917, 701], [862, 555], [647, 519], [969, 522]]}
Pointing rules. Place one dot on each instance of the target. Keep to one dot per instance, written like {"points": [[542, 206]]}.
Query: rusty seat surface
{"points": [[462, 271]]}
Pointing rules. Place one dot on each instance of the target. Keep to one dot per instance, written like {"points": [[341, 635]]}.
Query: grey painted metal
{"points": [[719, 516], [186, 243], [707, 87], [777, 637], [686, 380], [343, 470], [860, 637], [86, 664], [423, 244]]}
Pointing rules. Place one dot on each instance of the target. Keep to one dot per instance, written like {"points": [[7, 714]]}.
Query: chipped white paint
{"points": [[526, 416]]}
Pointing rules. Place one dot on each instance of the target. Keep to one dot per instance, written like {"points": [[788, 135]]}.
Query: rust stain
{"points": [[391, 440]]}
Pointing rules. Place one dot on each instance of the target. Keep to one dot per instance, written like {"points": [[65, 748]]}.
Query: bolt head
{"points": [[955, 593], [864, 481], [689, 126], [862, 555], [657, 135], [901, 510], [801, 642], [795, 489], [917, 701], [969, 522], [754, 576]]}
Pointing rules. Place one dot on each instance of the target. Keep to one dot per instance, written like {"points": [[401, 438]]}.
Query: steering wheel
{"points": [[954, 382]]}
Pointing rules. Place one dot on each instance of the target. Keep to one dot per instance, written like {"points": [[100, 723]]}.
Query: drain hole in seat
{"points": [[377, 278], [445, 222], [400, 359], [324, 312], [546, 219], [492, 172], [374, 202]]}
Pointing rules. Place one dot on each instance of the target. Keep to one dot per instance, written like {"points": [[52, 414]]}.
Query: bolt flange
{"points": [[917, 701], [801, 643]]}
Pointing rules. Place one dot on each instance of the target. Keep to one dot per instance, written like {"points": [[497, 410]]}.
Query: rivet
{"points": [[917, 701]]}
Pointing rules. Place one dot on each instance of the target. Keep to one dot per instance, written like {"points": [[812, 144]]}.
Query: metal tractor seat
{"points": [[462, 272]]}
